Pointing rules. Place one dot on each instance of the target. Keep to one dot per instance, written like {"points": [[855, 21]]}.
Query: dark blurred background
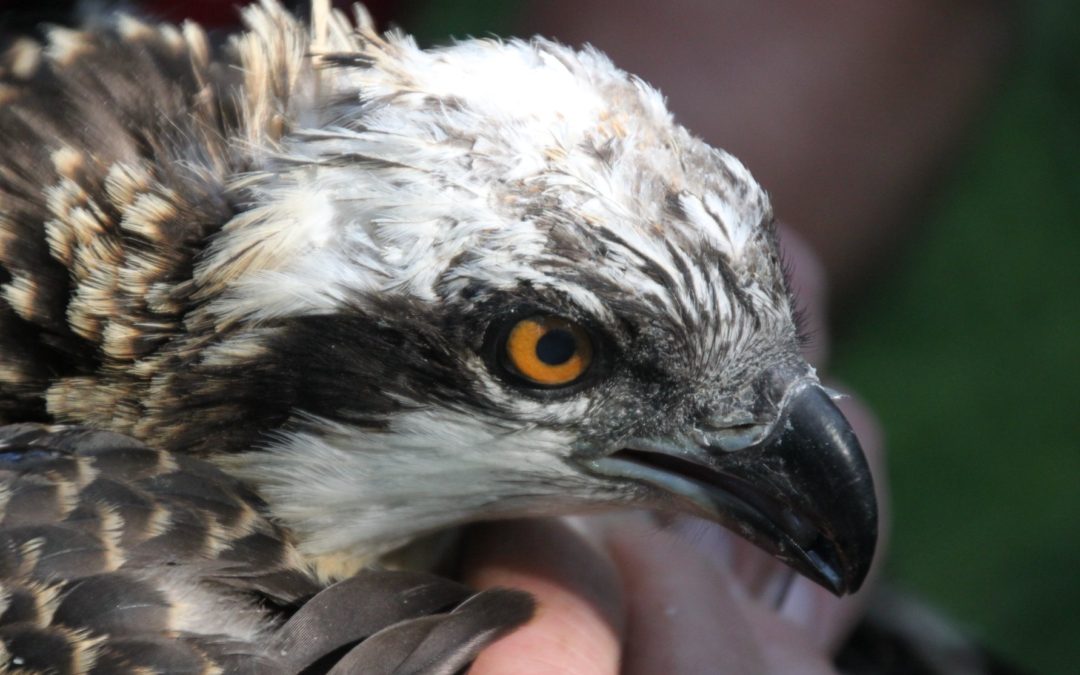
{"points": [[930, 153]]}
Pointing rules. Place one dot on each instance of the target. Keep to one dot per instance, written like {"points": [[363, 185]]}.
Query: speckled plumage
{"points": [[286, 256], [115, 558]]}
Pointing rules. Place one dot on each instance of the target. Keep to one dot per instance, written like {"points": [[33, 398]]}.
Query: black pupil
{"points": [[556, 347]]}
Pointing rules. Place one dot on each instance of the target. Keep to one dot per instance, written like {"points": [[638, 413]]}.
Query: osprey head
{"points": [[496, 279]]}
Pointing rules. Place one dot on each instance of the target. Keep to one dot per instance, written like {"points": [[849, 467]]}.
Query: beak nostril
{"points": [[743, 428], [715, 421], [731, 438]]}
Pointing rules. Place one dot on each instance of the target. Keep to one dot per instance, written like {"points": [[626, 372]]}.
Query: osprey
{"points": [[271, 311]]}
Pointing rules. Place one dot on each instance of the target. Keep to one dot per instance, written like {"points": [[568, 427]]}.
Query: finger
{"points": [[577, 627], [684, 615]]}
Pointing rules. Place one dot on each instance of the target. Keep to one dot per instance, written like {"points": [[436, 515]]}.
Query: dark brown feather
{"points": [[111, 180]]}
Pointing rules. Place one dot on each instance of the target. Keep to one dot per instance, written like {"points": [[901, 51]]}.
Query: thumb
{"points": [[577, 627]]}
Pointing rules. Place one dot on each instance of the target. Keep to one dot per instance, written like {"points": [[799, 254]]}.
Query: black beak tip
{"points": [[858, 550], [837, 491], [840, 569]]}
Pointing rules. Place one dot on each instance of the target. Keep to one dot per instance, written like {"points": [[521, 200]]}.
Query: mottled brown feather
{"points": [[112, 178]]}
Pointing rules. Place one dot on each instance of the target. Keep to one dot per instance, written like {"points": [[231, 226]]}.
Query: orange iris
{"points": [[548, 350]]}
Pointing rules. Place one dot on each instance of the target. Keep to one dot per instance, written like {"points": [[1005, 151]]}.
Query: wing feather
{"points": [[118, 558]]}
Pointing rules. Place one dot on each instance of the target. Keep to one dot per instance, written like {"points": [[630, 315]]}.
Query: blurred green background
{"points": [[970, 353]]}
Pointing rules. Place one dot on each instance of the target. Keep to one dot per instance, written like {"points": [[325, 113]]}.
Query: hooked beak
{"points": [[802, 492]]}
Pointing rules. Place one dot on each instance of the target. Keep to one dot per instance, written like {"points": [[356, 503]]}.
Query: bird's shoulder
{"points": [[113, 175], [116, 558]]}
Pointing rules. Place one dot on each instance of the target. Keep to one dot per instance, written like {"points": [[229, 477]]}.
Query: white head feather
{"points": [[383, 170]]}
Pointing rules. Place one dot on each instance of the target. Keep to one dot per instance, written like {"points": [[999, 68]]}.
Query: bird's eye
{"points": [[547, 351]]}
